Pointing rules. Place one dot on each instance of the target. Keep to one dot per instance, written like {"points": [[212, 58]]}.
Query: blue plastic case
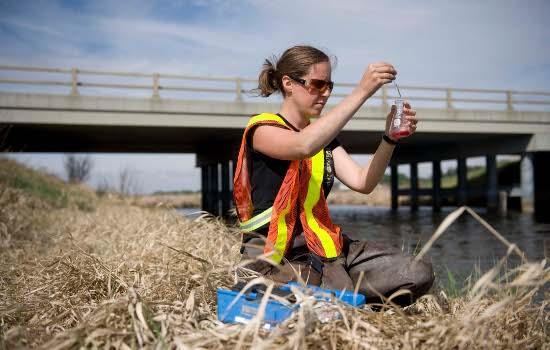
{"points": [[246, 306]]}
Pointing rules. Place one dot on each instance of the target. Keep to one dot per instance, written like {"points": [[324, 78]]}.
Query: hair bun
{"points": [[268, 83]]}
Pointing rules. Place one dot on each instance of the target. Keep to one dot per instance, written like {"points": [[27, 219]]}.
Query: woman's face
{"points": [[309, 99]]}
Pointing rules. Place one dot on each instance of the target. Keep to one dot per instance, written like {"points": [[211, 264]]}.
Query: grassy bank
{"points": [[102, 273]]}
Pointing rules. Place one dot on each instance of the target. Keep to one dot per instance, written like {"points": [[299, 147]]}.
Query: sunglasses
{"points": [[315, 85]]}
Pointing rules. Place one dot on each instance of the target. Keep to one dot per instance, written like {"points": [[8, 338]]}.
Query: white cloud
{"points": [[31, 27], [431, 43]]}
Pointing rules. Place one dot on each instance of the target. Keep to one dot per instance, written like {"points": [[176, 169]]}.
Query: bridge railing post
{"points": [[509, 101], [156, 85], [238, 88], [74, 82], [449, 99]]}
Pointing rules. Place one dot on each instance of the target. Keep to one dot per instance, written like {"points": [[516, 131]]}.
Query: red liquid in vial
{"points": [[397, 134]]}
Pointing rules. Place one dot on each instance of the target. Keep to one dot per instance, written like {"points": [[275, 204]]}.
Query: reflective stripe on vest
{"points": [[256, 221], [312, 197], [282, 234]]}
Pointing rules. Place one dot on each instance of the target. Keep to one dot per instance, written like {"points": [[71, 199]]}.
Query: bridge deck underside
{"points": [[225, 141]]}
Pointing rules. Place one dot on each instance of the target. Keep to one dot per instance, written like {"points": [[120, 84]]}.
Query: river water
{"points": [[465, 248]]}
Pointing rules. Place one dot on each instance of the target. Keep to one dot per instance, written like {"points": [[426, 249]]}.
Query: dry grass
{"points": [[184, 200], [126, 277]]}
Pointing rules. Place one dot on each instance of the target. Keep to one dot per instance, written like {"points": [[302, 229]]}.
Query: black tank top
{"points": [[267, 174]]}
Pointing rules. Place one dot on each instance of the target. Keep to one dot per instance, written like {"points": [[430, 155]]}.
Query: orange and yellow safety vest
{"points": [[299, 197]]}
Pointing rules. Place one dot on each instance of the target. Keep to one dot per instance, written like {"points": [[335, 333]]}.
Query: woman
{"points": [[286, 168]]}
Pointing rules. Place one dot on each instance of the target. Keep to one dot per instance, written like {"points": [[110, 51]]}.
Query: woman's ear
{"points": [[286, 83]]}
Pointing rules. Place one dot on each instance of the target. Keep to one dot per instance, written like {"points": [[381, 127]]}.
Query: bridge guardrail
{"points": [[447, 95]]}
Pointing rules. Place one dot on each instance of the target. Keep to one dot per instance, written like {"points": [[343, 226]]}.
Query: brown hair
{"points": [[295, 61]]}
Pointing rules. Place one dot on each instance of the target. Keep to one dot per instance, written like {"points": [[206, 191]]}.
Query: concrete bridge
{"points": [[72, 110]]}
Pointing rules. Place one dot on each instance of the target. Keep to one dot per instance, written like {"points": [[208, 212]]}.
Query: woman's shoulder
{"points": [[265, 118]]}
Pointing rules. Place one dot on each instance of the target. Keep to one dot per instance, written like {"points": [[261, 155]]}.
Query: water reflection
{"points": [[465, 246]]}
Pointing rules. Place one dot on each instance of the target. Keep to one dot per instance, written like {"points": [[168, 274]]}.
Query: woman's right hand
{"points": [[376, 75]]}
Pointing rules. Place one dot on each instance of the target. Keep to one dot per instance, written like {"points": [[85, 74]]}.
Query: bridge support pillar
{"points": [[527, 183], [436, 186], [542, 186], [216, 188], [394, 187], [492, 181], [212, 189], [204, 186], [210, 194], [414, 186], [461, 190], [226, 196], [216, 182]]}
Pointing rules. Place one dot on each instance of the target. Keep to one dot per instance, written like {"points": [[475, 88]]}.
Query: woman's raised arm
{"points": [[289, 145], [365, 179]]}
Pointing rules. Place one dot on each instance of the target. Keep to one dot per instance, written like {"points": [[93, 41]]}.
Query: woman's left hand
{"points": [[410, 121]]}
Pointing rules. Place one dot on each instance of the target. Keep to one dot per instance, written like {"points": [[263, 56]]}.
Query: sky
{"points": [[475, 44]]}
